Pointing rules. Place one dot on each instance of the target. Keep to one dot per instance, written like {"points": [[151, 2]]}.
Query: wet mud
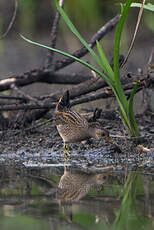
{"points": [[41, 146]]}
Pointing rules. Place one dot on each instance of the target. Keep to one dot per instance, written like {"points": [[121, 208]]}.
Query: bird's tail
{"points": [[64, 102]]}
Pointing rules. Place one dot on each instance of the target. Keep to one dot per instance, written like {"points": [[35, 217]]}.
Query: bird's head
{"points": [[96, 131]]}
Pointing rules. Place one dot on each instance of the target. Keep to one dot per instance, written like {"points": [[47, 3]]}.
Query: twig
{"points": [[28, 97], [91, 97], [11, 22], [134, 36], [25, 107], [53, 36], [9, 97], [149, 67]]}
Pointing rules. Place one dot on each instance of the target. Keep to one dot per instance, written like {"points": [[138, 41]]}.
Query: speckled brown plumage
{"points": [[72, 126]]}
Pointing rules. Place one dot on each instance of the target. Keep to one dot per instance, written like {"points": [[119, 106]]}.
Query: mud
{"points": [[41, 146]]}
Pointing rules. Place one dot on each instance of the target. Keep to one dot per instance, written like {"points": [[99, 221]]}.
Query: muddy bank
{"points": [[41, 146]]}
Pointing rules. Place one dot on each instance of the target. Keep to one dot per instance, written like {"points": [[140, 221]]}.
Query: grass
{"points": [[109, 75]]}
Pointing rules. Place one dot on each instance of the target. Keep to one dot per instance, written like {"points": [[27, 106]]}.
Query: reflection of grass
{"points": [[10, 192], [85, 220], [23, 222], [53, 178], [35, 191], [113, 191], [127, 217], [41, 204], [107, 190], [127, 203], [19, 190], [43, 207]]}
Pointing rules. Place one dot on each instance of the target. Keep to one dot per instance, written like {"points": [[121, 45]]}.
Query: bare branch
{"points": [[10, 97], [44, 76], [12, 21], [53, 37], [150, 65], [83, 51], [26, 107]]}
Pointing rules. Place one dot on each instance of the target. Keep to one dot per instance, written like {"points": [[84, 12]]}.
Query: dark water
{"points": [[64, 198]]}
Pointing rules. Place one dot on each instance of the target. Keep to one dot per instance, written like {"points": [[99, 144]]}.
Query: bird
{"points": [[72, 126], [75, 184]]}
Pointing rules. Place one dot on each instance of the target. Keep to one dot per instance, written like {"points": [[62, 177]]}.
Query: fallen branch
{"points": [[11, 22], [46, 76], [105, 93], [43, 76]]}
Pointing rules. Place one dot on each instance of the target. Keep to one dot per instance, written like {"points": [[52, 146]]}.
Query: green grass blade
{"points": [[105, 64], [147, 6], [131, 111], [116, 53], [77, 34], [128, 203], [62, 53], [109, 81], [123, 111], [118, 38]]}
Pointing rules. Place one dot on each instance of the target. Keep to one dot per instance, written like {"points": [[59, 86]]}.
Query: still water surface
{"points": [[64, 198]]}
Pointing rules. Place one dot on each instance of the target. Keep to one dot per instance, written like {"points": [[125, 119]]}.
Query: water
{"points": [[66, 198]]}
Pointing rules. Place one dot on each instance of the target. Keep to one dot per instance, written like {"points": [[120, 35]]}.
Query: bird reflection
{"points": [[75, 184]]}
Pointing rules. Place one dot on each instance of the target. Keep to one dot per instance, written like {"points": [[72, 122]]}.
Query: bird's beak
{"points": [[107, 138]]}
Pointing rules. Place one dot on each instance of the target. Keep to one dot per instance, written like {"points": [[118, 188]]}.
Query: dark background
{"points": [[34, 20]]}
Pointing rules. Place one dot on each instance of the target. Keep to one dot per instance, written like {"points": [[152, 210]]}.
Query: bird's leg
{"points": [[67, 154], [107, 138]]}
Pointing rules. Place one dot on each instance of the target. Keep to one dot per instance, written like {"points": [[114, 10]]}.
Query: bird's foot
{"points": [[66, 153]]}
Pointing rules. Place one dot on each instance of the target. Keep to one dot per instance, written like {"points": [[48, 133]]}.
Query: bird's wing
{"points": [[64, 102], [71, 118]]}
